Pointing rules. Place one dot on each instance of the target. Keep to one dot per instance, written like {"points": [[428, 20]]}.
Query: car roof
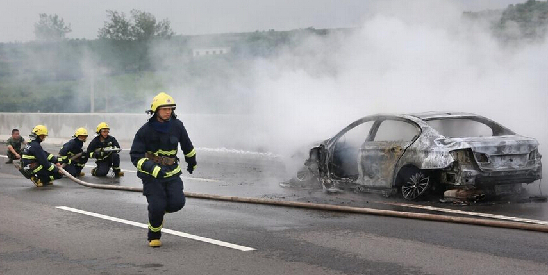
{"points": [[437, 115]]}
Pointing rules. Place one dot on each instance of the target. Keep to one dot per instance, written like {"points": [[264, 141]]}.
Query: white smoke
{"points": [[406, 57], [400, 65]]}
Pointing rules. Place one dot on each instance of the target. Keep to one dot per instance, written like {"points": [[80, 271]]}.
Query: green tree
{"points": [[142, 26], [51, 28], [530, 18], [117, 28]]}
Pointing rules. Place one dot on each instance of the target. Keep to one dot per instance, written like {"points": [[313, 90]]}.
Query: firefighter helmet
{"points": [[162, 100], [40, 130], [102, 125], [81, 132]]}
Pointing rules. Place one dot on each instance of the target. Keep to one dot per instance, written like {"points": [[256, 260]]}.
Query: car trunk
{"points": [[501, 153]]}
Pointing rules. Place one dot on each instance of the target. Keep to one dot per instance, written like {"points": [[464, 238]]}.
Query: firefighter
{"points": [[105, 148], [14, 146], [154, 153], [73, 155], [37, 164]]}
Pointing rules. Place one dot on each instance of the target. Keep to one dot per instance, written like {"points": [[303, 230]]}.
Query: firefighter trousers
{"points": [[163, 197], [46, 176], [73, 169], [103, 166]]}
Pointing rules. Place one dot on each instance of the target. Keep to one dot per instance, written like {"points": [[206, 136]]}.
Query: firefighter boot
{"points": [[81, 174], [36, 181], [93, 170], [155, 243], [118, 172]]}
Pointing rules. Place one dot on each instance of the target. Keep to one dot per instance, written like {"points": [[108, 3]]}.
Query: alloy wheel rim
{"points": [[415, 186]]}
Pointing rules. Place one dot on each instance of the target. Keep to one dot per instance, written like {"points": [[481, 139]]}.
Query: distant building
{"points": [[210, 51]]}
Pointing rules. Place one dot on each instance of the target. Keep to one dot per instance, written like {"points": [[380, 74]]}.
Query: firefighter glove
{"points": [[83, 158], [191, 164], [159, 172], [98, 154]]}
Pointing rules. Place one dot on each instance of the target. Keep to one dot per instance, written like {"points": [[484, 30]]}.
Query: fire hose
{"points": [[336, 208]]}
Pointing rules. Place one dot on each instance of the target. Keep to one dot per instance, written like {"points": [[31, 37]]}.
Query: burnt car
{"points": [[413, 154]]}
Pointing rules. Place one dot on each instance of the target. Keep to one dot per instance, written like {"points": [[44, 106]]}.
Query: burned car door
{"points": [[379, 154], [344, 150]]}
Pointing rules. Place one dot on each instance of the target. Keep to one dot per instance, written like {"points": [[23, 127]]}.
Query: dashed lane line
{"points": [[478, 214], [165, 231]]}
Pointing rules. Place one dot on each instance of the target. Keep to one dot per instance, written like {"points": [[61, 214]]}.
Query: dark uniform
{"points": [[39, 163], [154, 153], [105, 160], [69, 150]]}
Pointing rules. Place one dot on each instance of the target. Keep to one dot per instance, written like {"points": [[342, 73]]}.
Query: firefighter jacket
{"points": [[96, 144], [37, 158], [160, 140], [72, 148]]}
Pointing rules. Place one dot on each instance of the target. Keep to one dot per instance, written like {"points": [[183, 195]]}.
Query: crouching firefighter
{"points": [[73, 155], [154, 153], [105, 149], [38, 165]]}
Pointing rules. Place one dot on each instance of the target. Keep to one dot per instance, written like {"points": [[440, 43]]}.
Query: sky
{"points": [[188, 17]]}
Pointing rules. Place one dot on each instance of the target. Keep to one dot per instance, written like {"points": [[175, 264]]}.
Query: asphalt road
{"points": [[99, 231]]}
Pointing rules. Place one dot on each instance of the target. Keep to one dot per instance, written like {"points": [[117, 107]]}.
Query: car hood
{"points": [[497, 145]]}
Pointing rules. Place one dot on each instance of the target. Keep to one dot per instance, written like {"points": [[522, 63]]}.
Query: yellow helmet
{"points": [[162, 100], [102, 125], [40, 130], [81, 132]]}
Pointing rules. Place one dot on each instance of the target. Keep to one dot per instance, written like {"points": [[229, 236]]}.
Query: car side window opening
{"points": [[396, 130], [345, 156]]}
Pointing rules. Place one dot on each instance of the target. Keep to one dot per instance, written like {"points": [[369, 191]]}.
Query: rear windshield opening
{"points": [[466, 127]]}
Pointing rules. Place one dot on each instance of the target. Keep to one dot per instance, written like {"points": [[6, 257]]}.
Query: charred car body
{"points": [[416, 153]]}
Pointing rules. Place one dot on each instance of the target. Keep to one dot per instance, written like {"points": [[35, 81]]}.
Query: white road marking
{"points": [[479, 214], [167, 231], [3, 156]]}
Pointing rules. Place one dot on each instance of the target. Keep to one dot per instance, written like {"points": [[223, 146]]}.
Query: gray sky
{"points": [[17, 18]]}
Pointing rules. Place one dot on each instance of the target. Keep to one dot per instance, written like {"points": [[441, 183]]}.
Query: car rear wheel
{"points": [[415, 183]]}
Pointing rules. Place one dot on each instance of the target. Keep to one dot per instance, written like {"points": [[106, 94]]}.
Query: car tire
{"points": [[414, 182], [305, 178], [304, 175]]}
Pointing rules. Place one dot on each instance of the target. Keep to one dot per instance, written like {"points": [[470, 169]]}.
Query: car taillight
{"points": [[534, 155], [462, 156]]}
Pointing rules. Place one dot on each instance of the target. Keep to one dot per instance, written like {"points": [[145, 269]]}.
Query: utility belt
{"points": [[161, 159]]}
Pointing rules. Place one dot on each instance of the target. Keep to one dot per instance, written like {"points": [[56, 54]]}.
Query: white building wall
{"points": [[210, 51]]}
